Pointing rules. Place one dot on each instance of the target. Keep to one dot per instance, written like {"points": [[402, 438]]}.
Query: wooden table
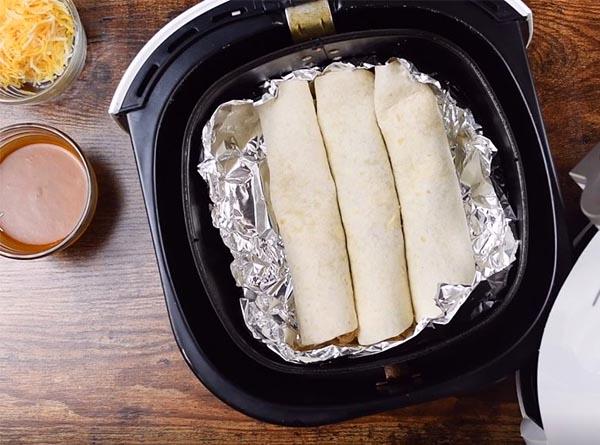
{"points": [[86, 351]]}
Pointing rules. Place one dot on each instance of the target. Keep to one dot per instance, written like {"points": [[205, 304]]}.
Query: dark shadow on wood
{"points": [[108, 209]]}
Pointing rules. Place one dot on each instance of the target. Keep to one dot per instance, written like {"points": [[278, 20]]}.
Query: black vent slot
{"points": [[146, 80], [184, 37]]}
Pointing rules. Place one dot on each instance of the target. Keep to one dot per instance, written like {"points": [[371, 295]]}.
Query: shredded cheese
{"points": [[36, 41]]}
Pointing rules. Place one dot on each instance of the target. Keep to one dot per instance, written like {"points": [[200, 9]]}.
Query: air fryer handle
{"points": [[587, 175]]}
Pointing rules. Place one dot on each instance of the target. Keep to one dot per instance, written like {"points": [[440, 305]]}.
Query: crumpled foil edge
{"points": [[234, 166]]}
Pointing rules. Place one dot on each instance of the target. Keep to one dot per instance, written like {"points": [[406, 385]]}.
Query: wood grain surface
{"points": [[86, 350]]}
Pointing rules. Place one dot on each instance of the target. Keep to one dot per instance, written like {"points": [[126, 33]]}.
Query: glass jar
{"points": [[13, 138]]}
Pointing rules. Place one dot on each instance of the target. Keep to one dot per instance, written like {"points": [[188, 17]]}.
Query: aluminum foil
{"points": [[234, 166]]}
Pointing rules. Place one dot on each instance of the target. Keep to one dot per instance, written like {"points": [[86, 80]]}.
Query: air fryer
{"points": [[219, 50]]}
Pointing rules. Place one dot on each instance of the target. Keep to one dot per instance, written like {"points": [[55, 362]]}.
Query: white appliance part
{"points": [[569, 360]]}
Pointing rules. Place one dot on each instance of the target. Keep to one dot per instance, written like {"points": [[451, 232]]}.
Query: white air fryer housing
{"points": [[568, 369]]}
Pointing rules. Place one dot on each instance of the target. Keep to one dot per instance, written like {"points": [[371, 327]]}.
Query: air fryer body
{"points": [[180, 77]]}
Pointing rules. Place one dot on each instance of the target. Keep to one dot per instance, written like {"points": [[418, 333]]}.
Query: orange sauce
{"points": [[43, 194]]}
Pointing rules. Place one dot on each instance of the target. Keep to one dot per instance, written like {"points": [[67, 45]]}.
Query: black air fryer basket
{"points": [[221, 50]]}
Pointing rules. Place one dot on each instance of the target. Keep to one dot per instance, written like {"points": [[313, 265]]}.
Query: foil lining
{"points": [[234, 166]]}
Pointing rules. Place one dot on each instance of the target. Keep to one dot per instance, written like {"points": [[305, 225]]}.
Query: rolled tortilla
{"points": [[304, 201], [368, 203], [438, 244]]}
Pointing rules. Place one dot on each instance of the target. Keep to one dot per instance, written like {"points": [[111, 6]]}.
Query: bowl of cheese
{"points": [[42, 49]]}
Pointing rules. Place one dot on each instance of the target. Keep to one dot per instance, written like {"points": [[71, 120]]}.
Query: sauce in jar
{"points": [[43, 191], [47, 192]]}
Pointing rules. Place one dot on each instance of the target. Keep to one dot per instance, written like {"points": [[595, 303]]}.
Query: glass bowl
{"points": [[30, 94]]}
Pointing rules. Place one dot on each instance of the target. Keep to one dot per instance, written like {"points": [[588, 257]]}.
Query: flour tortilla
{"points": [[368, 203], [304, 201], [437, 239]]}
